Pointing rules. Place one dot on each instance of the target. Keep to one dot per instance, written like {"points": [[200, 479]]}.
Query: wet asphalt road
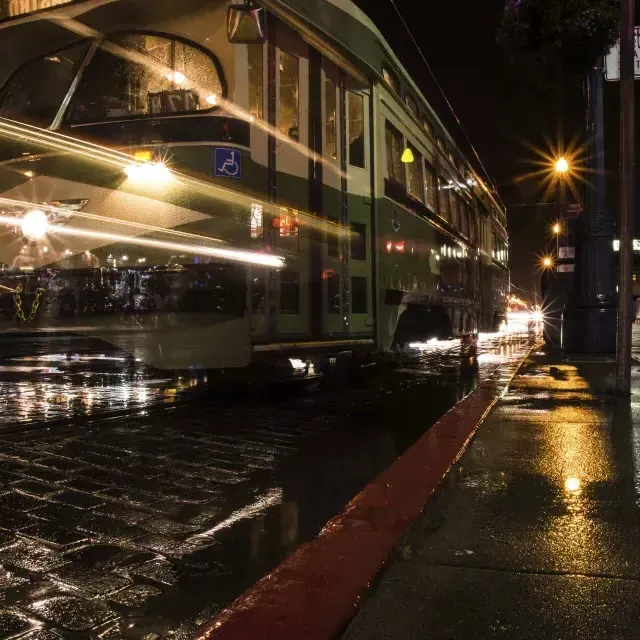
{"points": [[144, 525]]}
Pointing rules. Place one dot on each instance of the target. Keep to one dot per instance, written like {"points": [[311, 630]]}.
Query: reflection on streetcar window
{"points": [[358, 295], [255, 222], [331, 108], [256, 80], [443, 198], [394, 144], [430, 187], [289, 95], [289, 291], [332, 239], [36, 91], [333, 293], [138, 74], [356, 130], [258, 293], [415, 181], [454, 216], [358, 241]]}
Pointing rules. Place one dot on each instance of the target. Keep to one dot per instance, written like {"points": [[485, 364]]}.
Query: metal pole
{"points": [[627, 160]]}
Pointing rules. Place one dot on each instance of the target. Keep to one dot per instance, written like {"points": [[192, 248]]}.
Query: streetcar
{"points": [[208, 184]]}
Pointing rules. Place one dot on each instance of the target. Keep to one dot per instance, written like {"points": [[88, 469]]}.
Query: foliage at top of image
{"points": [[548, 35]]}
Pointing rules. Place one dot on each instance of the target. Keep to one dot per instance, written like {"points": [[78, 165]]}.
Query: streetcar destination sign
{"points": [[12, 8]]}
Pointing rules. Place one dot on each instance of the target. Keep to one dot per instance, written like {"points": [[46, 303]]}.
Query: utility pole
{"points": [[627, 162]]}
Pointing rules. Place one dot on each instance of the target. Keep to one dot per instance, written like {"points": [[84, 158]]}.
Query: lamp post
{"points": [[589, 321]]}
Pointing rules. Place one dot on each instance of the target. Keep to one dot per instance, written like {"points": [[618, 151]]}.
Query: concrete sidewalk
{"points": [[535, 532]]}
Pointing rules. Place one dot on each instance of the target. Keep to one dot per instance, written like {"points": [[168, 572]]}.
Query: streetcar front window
{"points": [[138, 74], [36, 91]]}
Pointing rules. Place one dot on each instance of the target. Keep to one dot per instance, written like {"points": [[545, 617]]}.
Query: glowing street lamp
{"points": [[547, 262], [561, 166]]}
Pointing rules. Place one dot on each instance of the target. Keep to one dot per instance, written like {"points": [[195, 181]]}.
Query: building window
{"points": [[391, 78], [412, 104], [453, 212], [443, 198], [415, 179], [430, 186], [330, 121], [333, 293], [255, 221], [256, 80], [356, 130], [138, 74], [358, 241], [358, 295], [289, 95], [289, 291], [394, 144]]}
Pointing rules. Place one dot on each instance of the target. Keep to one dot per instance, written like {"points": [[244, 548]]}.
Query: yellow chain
{"points": [[34, 307]]}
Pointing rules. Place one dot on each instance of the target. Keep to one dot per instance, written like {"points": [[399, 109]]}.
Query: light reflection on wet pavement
{"points": [[148, 524]]}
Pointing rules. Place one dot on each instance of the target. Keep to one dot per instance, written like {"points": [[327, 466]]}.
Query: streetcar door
{"points": [[332, 257], [292, 183], [358, 245]]}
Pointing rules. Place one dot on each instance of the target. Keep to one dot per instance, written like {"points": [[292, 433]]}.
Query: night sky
{"points": [[501, 109]]}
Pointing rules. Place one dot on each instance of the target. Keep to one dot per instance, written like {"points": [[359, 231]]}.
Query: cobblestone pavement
{"points": [[49, 379], [142, 527]]}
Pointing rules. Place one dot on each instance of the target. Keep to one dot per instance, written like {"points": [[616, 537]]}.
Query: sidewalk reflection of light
{"points": [[269, 499]]}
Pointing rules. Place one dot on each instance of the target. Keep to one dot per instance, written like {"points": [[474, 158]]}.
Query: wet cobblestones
{"points": [[142, 527]]}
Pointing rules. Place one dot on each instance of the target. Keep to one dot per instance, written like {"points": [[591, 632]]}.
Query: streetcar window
{"points": [[332, 239], [430, 186], [255, 221], [289, 95], [330, 121], [391, 78], [356, 130], [415, 180], [256, 80], [358, 295], [443, 198], [36, 91], [412, 104], [427, 125], [454, 213], [395, 144], [358, 241], [289, 291], [333, 293], [258, 292], [138, 74]]}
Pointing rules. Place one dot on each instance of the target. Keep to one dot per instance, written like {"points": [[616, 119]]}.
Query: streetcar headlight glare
{"points": [[149, 172], [35, 224]]}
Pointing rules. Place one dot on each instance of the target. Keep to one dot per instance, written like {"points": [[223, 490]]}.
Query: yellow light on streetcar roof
{"points": [[407, 156], [143, 155]]}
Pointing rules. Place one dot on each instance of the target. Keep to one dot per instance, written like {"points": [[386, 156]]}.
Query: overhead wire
{"points": [[444, 95]]}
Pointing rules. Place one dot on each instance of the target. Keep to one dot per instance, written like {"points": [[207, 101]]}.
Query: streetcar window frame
{"points": [[391, 130], [391, 78], [49, 54], [86, 68]]}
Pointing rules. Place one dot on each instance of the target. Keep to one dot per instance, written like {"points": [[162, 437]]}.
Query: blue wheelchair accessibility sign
{"points": [[227, 163]]}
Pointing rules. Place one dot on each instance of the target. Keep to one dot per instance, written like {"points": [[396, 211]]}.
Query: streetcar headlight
{"points": [[35, 224], [149, 172]]}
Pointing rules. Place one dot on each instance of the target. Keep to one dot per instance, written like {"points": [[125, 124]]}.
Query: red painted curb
{"points": [[314, 593]]}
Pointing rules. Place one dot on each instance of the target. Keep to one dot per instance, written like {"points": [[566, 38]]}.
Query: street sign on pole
{"points": [[612, 61]]}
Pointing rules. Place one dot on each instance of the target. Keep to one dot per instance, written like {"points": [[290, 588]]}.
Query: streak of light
{"points": [[271, 498], [94, 153], [237, 255], [100, 218]]}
